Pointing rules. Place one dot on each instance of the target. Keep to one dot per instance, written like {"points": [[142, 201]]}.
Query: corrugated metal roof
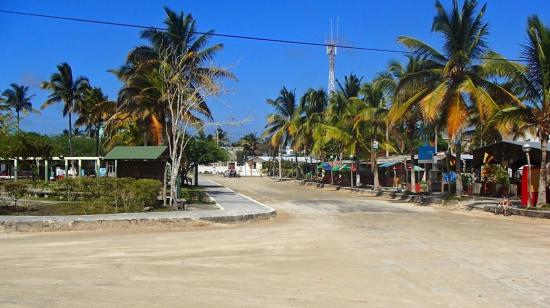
{"points": [[137, 152]]}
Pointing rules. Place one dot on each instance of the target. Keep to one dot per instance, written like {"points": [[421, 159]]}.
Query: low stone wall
{"points": [[522, 212], [416, 198], [97, 222]]}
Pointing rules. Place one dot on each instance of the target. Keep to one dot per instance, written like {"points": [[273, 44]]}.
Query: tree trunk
{"points": [[145, 136], [375, 170], [413, 174], [18, 127], [387, 141], [410, 132], [543, 180], [196, 175], [458, 164], [297, 165], [97, 140], [70, 134]]}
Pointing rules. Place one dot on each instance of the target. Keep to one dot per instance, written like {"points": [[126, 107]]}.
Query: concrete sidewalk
{"points": [[234, 207]]}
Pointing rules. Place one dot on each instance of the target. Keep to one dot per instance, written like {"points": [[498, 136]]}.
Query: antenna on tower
{"points": [[337, 32], [331, 52]]}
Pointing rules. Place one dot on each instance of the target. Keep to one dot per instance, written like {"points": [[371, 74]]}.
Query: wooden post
{"points": [[46, 171], [97, 166]]}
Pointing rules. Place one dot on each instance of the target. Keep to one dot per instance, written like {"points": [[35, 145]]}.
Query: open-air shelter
{"points": [[71, 165], [510, 155]]}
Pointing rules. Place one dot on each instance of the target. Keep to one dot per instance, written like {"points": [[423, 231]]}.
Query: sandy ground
{"points": [[325, 248]]}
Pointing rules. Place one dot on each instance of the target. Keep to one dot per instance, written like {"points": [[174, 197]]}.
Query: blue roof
{"points": [[389, 164]]}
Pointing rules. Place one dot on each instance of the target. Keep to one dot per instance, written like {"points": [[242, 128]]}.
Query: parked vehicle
{"points": [[231, 173]]}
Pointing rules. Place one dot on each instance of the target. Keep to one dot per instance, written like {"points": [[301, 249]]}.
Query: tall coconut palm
{"points": [[351, 87], [222, 137], [278, 126], [142, 94], [94, 109], [310, 112], [250, 143], [534, 81], [402, 115], [374, 115], [66, 89], [16, 98], [337, 126], [465, 82]]}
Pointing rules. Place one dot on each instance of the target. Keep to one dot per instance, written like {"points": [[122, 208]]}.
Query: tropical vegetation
{"points": [[442, 92], [434, 92], [17, 99]]}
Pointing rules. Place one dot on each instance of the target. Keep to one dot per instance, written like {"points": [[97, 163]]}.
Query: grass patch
{"points": [[195, 195], [31, 208], [81, 204]]}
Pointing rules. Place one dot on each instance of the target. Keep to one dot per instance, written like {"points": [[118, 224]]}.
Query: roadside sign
{"points": [[426, 154]]}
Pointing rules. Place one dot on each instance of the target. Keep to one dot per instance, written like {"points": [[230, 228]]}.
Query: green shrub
{"points": [[127, 193], [145, 192], [15, 191], [495, 174], [65, 189]]}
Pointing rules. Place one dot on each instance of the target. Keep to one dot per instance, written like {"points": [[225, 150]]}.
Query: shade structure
{"points": [[389, 164], [325, 166], [136, 152], [394, 163], [341, 168]]}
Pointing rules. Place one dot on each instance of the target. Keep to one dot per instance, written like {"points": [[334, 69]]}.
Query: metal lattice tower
{"points": [[331, 52]]}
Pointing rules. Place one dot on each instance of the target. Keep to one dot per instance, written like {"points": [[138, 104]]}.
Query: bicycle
{"points": [[504, 207]]}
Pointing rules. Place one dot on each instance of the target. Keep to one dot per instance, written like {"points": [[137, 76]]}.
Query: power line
{"points": [[235, 36]]}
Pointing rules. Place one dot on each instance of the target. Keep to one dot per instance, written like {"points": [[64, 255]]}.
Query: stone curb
{"points": [[522, 212], [49, 224], [414, 198], [480, 205]]}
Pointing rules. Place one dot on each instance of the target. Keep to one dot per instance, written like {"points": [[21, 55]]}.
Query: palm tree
{"points": [[401, 115], [534, 83], [310, 113], [17, 99], [94, 109], [64, 88], [140, 101], [373, 116], [222, 137], [278, 126], [250, 143], [465, 81], [351, 86], [142, 95], [336, 128]]}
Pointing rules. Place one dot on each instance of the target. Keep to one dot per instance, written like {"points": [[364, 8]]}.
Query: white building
{"points": [[252, 166]]}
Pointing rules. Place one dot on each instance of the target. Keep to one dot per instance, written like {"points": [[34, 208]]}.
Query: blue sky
{"points": [[32, 47]]}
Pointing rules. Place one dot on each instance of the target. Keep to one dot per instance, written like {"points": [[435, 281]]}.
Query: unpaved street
{"points": [[325, 248]]}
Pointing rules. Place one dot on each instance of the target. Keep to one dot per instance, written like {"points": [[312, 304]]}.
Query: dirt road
{"points": [[325, 248]]}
